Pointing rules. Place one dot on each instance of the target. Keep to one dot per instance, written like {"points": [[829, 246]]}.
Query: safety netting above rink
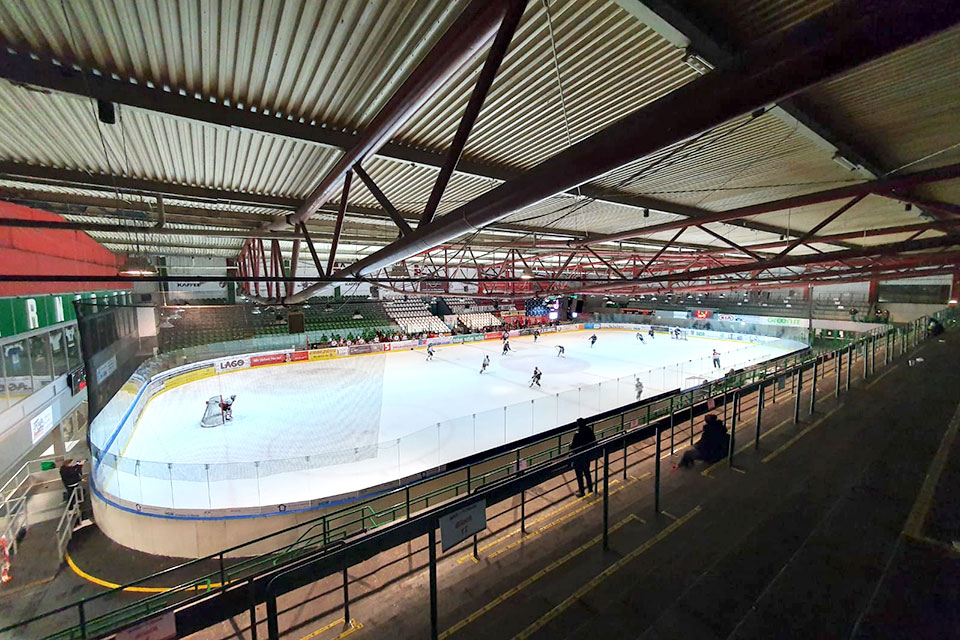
{"points": [[344, 456]]}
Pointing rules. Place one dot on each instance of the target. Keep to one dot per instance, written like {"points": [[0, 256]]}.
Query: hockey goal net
{"points": [[213, 415]]}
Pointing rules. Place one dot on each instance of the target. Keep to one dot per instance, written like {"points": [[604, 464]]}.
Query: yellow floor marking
{"points": [[739, 470], [930, 542], [670, 515], [882, 375], [354, 626], [529, 581], [603, 575], [918, 514], [113, 585], [789, 443], [706, 472], [546, 516], [516, 531], [550, 525]]}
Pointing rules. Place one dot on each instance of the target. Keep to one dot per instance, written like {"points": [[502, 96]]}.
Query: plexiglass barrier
{"points": [[296, 482]]}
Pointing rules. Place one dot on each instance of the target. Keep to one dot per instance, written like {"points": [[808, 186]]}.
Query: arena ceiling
{"points": [[228, 115]]}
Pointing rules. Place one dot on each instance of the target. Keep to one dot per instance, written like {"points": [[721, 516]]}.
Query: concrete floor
{"points": [[805, 537]]}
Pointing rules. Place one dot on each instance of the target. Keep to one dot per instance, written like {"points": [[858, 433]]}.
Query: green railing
{"points": [[331, 529]]}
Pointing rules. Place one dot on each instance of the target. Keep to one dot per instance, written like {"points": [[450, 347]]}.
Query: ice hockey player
{"points": [[536, 334], [506, 347], [486, 363], [640, 336], [227, 407], [716, 359], [650, 333], [429, 353], [560, 351], [593, 340], [535, 379], [639, 387]]}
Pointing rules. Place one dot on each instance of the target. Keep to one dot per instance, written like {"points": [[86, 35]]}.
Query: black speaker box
{"points": [[295, 321]]}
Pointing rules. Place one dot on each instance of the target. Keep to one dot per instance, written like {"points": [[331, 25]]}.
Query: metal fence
{"points": [[329, 543]]}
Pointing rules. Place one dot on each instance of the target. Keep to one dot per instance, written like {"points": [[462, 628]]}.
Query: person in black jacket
{"points": [[582, 439], [71, 475], [712, 445]]}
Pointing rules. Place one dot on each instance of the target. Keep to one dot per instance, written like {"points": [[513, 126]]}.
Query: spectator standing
{"points": [[582, 439]]}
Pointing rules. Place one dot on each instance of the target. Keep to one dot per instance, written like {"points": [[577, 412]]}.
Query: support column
{"points": [[656, 476], [432, 545], [813, 387], [606, 500], [837, 365], [756, 440], [866, 359], [796, 404], [733, 427], [849, 365]]}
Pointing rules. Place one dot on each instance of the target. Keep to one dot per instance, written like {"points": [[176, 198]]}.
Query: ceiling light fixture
{"points": [[138, 266], [526, 275], [843, 162], [696, 62]]}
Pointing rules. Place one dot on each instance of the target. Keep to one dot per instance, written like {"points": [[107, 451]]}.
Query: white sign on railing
{"points": [[462, 523], [41, 424], [107, 368]]}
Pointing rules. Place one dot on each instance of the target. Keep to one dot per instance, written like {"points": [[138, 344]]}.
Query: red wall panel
{"points": [[51, 252]]}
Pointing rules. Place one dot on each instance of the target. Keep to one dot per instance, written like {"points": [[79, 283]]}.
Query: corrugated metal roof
{"points": [[148, 145], [610, 65], [335, 61], [408, 186], [741, 22], [901, 106], [873, 212], [744, 161]]}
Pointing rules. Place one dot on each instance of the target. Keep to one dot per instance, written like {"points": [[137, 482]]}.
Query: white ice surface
{"points": [[396, 400]]}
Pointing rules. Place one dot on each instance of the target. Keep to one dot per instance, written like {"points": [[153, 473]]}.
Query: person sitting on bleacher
{"points": [[712, 445]]}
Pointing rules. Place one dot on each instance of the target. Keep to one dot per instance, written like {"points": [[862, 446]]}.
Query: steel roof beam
{"points": [[883, 250], [474, 27], [805, 238], [831, 43], [880, 187], [672, 21], [151, 188], [851, 235], [35, 70], [93, 227], [472, 111]]}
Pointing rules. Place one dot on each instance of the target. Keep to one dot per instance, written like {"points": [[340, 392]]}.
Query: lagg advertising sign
{"points": [[232, 364]]}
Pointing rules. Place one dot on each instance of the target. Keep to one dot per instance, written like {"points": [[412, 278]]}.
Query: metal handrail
{"points": [[68, 520], [15, 516], [786, 365]]}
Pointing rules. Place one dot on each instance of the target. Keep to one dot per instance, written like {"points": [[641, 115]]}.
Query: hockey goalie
{"points": [[219, 410]]}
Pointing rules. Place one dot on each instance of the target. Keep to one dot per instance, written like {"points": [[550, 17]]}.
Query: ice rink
{"points": [[294, 424]]}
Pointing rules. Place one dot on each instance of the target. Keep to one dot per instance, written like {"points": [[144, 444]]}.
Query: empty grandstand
{"points": [[414, 316]]}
